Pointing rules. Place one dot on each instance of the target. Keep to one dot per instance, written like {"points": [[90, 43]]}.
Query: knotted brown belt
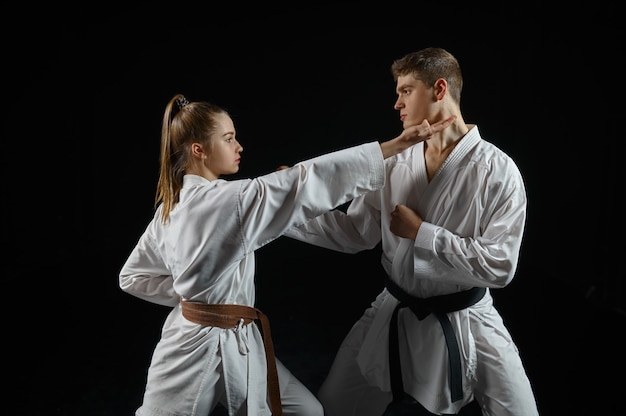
{"points": [[229, 316]]}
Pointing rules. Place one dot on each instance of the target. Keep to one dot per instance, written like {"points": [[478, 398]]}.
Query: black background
{"points": [[84, 93]]}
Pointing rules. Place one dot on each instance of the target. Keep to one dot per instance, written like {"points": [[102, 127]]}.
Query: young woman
{"points": [[197, 256]]}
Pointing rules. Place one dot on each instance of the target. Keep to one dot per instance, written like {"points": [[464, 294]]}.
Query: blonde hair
{"points": [[184, 123]]}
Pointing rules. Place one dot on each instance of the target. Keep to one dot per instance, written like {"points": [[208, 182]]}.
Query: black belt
{"points": [[422, 307]]}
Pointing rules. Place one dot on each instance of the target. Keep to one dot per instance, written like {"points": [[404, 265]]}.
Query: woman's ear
{"points": [[197, 151]]}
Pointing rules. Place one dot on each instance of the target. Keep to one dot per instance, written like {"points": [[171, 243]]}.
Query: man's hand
{"points": [[405, 222]]}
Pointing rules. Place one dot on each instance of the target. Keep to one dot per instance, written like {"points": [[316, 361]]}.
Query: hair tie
{"points": [[181, 101]]}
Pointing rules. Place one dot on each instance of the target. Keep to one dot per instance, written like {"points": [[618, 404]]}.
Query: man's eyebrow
{"points": [[404, 86]]}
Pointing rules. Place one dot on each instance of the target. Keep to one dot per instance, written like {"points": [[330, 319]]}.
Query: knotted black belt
{"points": [[422, 307]]}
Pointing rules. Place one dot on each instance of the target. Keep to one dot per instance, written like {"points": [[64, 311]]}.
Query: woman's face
{"points": [[225, 151]]}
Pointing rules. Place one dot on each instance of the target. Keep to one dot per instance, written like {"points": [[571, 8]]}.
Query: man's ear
{"points": [[441, 87]]}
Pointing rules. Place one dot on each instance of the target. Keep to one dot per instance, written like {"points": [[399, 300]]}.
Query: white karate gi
{"points": [[474, 212], [206, 254]]}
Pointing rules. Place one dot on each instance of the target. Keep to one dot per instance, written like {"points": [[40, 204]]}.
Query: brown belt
{"points": [[228, 316]]}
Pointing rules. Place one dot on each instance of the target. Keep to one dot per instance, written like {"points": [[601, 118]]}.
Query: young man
{"points": [[451, 217]]}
